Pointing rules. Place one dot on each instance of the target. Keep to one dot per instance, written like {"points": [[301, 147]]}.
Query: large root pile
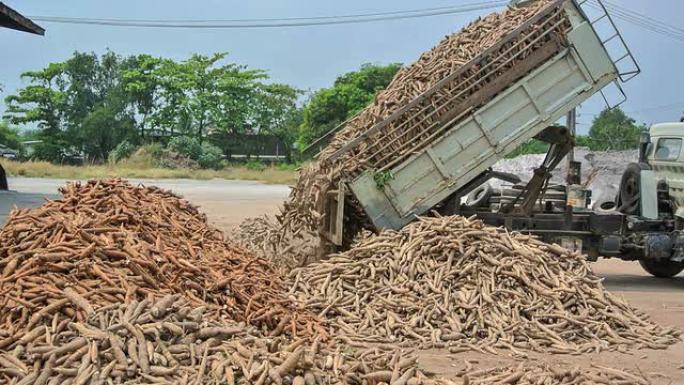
{"points": [[115, 284], [455, 282], [108, 242]]}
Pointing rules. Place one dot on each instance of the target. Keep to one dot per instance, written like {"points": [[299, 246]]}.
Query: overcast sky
{"points": [[311, 57]]}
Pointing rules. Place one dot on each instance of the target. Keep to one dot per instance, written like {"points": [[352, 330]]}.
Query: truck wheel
{"points": [[630, 193], [661, 268]]}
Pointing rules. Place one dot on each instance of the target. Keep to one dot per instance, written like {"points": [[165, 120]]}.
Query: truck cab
{"points": [[652, 191], [664, 155]]}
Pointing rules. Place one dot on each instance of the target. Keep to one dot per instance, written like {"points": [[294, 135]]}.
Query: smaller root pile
{"points": [[284, 249], [454, 282]]}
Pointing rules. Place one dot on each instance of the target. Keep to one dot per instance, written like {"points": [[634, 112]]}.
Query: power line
{"points": [[657, 22], [276, 22], [645, 22], [494, 3]]}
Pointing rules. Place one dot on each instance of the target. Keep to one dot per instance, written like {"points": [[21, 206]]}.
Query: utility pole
{"points": [[572, 176]]}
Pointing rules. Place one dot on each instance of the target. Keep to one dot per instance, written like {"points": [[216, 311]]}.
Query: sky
{"points": [[312, 57]]}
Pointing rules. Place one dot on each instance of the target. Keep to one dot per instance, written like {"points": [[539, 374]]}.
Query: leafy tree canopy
{"points": [[349, 94], [9, 136], [612, 129], [88, 104]]}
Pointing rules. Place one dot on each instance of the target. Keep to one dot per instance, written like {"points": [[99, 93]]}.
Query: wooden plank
{"points": [[486, 93]]}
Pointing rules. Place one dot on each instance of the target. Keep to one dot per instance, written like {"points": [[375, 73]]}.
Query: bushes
{"points": [[206, 155], [186, 146], [146, 156], [211, 157], [122, 151], [255, 165], [181, 152]]}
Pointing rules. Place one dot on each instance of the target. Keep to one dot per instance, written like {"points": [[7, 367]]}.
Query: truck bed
{"points": [[564, 62]]}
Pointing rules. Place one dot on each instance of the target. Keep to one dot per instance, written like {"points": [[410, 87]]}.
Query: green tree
{"points": [[9, 136], [78, 105], [277, 113], [533, 146], [349, 94], [42, 103], [612, 129], [142, 84], [194, 94], [88, 104], [99, 110], [103, 129], [203, 92]]}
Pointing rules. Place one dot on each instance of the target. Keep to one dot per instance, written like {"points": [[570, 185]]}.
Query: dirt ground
{"points": [[226, 203]]}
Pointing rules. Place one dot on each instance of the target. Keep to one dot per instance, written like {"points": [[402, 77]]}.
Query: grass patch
{"points": [[143, 170]]}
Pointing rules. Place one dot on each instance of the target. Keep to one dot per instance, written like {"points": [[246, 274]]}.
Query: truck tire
{"points": [[630, 185], [661, 268]]}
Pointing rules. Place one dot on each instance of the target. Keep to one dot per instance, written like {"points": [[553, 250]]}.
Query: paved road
{"points": [[12, 199]]}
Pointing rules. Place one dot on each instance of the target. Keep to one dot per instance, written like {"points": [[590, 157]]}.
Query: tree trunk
{"points": [[142, 128], [200, 129]]}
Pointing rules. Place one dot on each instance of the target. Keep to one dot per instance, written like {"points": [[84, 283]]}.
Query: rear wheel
{"points": [[661, 268]]}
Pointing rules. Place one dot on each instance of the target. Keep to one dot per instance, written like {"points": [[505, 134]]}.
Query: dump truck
{"points": [[509, 107]]}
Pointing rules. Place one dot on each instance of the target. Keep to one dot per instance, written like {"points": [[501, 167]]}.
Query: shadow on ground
{"points": [[633, 282]]}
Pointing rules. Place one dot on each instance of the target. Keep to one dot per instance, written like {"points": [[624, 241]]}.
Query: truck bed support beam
{"points": [[561, 142]]}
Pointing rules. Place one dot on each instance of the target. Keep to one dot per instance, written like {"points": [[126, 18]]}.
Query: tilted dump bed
{"points": [[480, 113]]}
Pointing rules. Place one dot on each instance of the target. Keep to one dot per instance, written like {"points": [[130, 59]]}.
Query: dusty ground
{"points": [[228, 202]]}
